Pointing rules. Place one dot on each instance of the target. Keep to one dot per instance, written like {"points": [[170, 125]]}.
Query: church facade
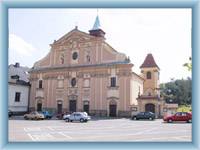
{"points": [[84, 73]]}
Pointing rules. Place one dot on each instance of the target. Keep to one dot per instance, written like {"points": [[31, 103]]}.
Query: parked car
{"points": [[34, 116], [144, 115], [77, 116], [10, 113], [47, 115], [66, 115], [179, 116], [60, 115]]}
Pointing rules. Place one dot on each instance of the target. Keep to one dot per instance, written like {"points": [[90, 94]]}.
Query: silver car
{"points": [[77, 116]]}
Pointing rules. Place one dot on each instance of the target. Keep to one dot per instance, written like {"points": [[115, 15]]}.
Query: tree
{"points": [[177, 91]]}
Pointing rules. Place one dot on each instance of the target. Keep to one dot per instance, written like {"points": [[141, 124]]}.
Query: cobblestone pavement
{"points": [[99, 130]]}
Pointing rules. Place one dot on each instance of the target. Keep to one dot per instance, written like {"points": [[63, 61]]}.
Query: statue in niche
{"points": [[62, 59], [88, 56]]}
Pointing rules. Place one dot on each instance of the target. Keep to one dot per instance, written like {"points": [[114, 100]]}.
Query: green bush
{"points": [[184, 108]]}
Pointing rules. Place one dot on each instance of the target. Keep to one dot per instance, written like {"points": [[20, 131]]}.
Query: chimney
{"points": [[17, 65]]}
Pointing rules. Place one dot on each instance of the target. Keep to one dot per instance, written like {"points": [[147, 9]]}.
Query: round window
{"points": [[74, 55], [73, 82]]}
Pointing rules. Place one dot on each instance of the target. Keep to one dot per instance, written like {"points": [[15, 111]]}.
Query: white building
{"points": [[18, 88]]}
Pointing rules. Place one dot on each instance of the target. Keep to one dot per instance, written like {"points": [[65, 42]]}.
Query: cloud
{"points": [[17, 44]]}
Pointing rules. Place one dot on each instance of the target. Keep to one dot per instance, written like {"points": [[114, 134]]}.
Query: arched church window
{"points": [[73, 82], [148, 75], [40, 84]]}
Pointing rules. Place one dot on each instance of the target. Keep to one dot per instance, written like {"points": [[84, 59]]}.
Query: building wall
{"points": [[136, 88], [100, 95], [22, 105]]}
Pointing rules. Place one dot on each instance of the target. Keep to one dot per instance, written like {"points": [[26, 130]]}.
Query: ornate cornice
{"points": [[69, 67], [112, 98]]}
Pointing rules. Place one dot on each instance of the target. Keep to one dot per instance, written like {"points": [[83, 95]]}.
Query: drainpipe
{"points": [[29, 91]]}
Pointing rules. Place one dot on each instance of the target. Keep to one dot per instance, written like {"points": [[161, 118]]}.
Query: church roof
{"points": [[96, 25], [149, 62]]}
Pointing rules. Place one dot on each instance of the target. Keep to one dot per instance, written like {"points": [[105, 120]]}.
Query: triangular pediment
{"points": [[74, 35]]}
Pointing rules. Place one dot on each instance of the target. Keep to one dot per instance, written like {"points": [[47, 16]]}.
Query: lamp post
{"points": [[159, 103]]}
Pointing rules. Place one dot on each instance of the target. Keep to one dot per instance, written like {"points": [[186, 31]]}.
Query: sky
{"points": [[166, 33]]}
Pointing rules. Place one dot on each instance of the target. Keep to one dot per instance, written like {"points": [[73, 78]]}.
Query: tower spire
{"points": [[96, 25], [149, 62], [96, 29]]}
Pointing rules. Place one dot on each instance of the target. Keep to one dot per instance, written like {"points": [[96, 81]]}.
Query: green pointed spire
{"points": [[96, 25], [96, 30]]}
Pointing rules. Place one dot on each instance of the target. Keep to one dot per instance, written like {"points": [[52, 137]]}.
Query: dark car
{"points": [[179, 116], [60, 115], [47, 115], [10, 113], [144, 115]]}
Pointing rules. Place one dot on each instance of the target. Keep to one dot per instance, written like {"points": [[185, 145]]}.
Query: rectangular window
{"points": [[113, 81], [40, 84], [17, 96]]}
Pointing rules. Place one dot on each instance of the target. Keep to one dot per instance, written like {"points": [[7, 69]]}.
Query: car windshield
{"points": [[141, 113], [79, 114], [85, 114]]}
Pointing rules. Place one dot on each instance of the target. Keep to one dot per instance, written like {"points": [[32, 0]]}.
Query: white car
{"points": [[77, 116]]}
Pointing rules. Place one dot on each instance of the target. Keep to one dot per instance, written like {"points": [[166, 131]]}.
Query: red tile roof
{"points": [[149, 62]]}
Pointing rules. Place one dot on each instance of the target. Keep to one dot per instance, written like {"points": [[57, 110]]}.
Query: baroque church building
{"points": [[84, 73]]}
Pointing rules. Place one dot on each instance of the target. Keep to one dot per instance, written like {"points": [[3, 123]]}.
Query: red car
{"points": [[179, 116]]}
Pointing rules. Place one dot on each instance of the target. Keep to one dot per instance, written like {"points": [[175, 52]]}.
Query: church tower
{"points": [[150, 72], [149, 100]]}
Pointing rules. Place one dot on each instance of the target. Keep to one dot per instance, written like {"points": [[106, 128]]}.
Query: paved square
{"points": [[99, 130]]}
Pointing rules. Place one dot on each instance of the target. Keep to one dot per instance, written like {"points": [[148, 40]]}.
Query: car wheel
{"points": [[81, 120], [189, 121], [150, 118], [67, 119], [86, 120], [134, 118], [170, 121]]}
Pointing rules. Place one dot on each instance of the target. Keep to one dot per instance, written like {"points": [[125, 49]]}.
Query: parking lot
{"points": [[98, 130]]}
